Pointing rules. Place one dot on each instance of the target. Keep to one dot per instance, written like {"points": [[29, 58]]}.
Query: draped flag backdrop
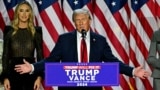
{"points": [[128, 26]]}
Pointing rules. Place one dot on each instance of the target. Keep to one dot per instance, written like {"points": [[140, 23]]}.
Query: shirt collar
{"points": [[79, 35]]}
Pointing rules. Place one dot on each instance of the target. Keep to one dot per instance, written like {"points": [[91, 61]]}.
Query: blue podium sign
{"points": [[82, 74]]}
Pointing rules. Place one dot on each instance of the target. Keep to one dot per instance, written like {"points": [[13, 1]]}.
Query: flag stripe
{"points": [[112, 37], [122, 24], [2, 24], [51, 29], [144, 23], [139, 42], [69, 25]]}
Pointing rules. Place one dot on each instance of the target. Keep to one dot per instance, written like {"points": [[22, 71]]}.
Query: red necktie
{"points": [[83, 51]]}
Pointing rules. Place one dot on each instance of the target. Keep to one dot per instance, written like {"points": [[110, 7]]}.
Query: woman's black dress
{"points": [[19, 46]]}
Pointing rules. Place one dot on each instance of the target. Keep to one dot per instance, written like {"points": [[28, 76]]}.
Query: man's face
{"points": [[82, 21]]}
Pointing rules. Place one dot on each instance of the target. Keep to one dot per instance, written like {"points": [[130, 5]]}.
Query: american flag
{"points": [[128, 26]]}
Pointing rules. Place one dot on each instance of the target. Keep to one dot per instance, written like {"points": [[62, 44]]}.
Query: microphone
{"points": [[83, 32]]}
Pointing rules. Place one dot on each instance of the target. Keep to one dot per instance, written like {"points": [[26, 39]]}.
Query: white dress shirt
{"points": [[87, 39]]}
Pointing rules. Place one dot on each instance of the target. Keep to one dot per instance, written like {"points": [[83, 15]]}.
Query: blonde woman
{"points": [[21, 39]]}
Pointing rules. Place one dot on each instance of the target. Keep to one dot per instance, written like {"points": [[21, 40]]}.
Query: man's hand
{"points": [[141, 73], [23, 68]]}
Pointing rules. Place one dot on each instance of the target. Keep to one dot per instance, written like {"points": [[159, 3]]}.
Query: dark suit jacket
{"points": [[65, 50]]}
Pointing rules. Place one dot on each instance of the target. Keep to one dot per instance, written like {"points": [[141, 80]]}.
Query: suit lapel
{"points": [[92, 47], [74, 46]]}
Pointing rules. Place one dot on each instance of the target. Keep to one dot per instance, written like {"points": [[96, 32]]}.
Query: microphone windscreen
{"points": [[83, 33]]}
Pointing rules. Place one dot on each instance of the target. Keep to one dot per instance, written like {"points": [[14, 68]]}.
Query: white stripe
{"points": [[68, 11], [149, 17], [140, 29], [46, 36], [124, 16], [140, 59], [158, 2], [4, 13], [54, 19], [114, 26], [139, 55], [99, 27]]}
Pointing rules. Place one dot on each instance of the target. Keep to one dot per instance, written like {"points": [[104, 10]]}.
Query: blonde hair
{"points": [[15, 21]]}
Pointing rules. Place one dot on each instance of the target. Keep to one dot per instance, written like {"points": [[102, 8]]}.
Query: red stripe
{"points": [[111, 35], [46, 51], [133, 83], [50, 27], [147, 84], [151, 5], [113, 39], [135, 62], [127, 10], [139, 41], [90, 7], [157, 9], [2, 23], [11, 14], [144, 23], [66, 22], [124, 83], [133, 58], [57, 10], [122, 24]]}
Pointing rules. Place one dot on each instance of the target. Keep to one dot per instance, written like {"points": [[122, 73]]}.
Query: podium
{"points": [[82, 74]]}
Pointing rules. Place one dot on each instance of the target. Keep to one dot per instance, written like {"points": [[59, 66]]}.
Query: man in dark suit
{"points": [[67, 50]]}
